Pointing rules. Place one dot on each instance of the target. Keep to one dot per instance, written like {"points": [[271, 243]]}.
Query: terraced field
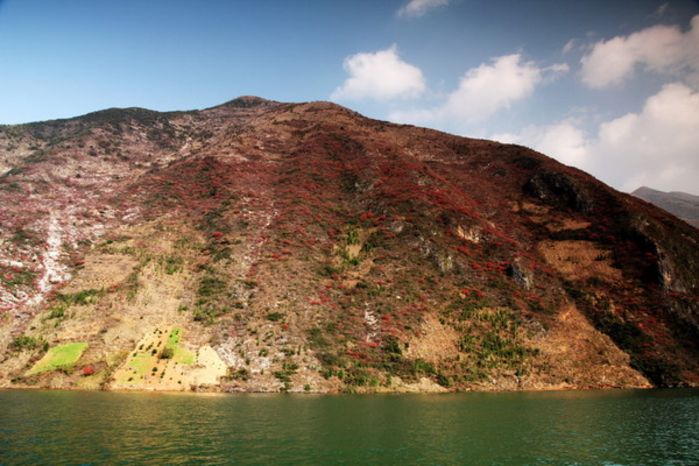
{"points": [[61, 357], [161, 361]]}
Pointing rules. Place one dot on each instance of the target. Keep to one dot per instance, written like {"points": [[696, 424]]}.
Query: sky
{"points": [[608, 86]]}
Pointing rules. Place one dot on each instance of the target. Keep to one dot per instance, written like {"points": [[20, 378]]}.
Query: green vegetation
{"points": [[140, 362], [175, 351], [212, 299], [21, 236], [491, 341], [466, 307], [289, 368], [17, 278], [241, 374], [25, 342], [80, 298], [352, 237], [62, 357], [356, 376], [148, 359], [316, 338], [172, 264], [275, 316], [347, 259]]}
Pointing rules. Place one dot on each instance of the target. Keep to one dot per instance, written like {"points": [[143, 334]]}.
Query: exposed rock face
{"points": [[520, 274], [559, 189], [262, 246]]}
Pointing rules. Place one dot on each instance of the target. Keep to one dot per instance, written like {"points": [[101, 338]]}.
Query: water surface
{"points": [[657, 427]]}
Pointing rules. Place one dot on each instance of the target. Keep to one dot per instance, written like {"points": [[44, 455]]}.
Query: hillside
{"points": [[682, 205], [265, 246]]}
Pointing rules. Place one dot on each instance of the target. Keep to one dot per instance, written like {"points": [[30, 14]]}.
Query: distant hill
{"points": [[682, 205]]}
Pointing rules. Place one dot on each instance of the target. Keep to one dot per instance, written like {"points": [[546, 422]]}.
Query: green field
{"points": [[180, 355], [141, 363], [59, 357]]}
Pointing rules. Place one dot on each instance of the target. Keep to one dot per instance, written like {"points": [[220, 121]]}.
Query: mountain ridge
{"points": [[683, 205], [265, 246]]}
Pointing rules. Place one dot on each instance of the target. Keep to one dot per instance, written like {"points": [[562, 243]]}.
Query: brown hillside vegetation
{"points": [[264, 246]]}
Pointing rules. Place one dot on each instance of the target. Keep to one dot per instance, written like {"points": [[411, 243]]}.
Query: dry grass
{"points": [[579, 260], [575, 355], [434, 342]]}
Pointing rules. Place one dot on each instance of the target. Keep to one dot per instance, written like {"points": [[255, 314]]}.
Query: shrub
{"points": [[316, 338], [167, 353], [391, 346], [352, 237], [25, 342], [275, 316], [357, 376], [443, 380], [57, 311], [210, 286], [172, 264], [240, 374]]}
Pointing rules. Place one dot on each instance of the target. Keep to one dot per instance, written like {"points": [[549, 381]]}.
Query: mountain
{"points": [[682, 205], [266, 246]]}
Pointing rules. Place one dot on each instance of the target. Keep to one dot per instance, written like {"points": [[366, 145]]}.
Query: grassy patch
{"points": [[491, 341], [212, 298], [80, 298], [178, 353], [62, 357], [172, 264], [148, 358], [141, 363]]}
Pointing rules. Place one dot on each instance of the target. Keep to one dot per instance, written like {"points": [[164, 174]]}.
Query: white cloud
{"points": [[570, 45], [559, 68], [483, 91], [662, 9], [420, 7], [563, 141], [656, 147], [660, 49], [380, 75]]}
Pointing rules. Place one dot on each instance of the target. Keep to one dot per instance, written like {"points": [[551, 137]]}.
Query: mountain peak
{"points": [[248, 101]]}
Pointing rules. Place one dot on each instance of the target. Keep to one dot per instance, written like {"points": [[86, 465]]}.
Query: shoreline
{"points": [[360, 393]]}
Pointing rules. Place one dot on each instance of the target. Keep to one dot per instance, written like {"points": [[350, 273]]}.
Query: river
{"points": [[630, 427]]}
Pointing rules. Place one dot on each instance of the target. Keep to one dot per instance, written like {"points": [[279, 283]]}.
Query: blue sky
{"points": [[608, 86]]}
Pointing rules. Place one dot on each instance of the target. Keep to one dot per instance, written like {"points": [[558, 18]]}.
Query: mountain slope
{"points": [[263, 246], [683, 205]]}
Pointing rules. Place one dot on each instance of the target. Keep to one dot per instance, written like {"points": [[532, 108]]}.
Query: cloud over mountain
{"points": [[379, 75], [484, 90], [659, 49], [655, 146]]}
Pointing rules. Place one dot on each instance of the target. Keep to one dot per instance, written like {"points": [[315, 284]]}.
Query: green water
{"points": [[602, 428]]}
